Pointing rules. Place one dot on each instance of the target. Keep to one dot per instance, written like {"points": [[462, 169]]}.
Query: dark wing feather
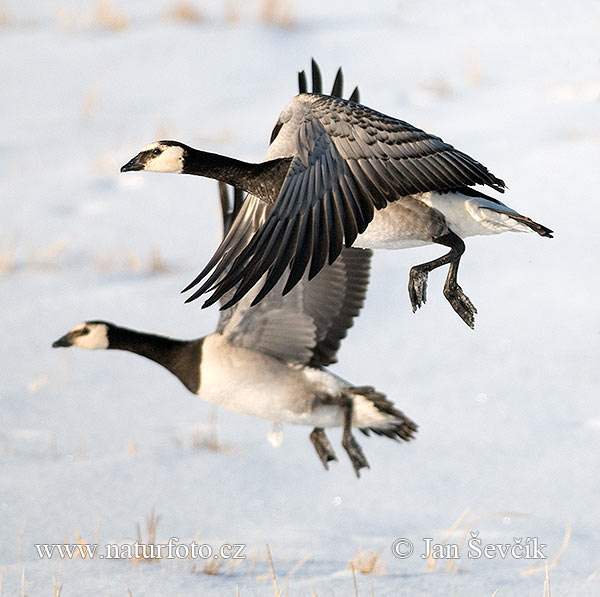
{"points": [[317, 79], [320, 295], [338, 85], [308, 324], [302, 84], [349, 160]]}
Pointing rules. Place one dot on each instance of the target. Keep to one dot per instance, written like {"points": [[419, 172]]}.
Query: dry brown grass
{"points": [[157, 264], [127, 260], [206, 437], [232, 12], [91, 98], [354, 580], [5, 18], [296, 567], [185, 12], [273, 13], [79, 541], [216, 566], [211, 566], [547, 583], [47, 258], [24, 584], [275, 583], [7, 261], [555, 561], [277, 12], [132, 447], [152, 521], [439, 87], [35, 385], [467, 523], [368, 562], [107, 16], [474, 72]]}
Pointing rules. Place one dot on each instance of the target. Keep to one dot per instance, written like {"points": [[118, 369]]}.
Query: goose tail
{"points": [[539, 228], [374, 412]]}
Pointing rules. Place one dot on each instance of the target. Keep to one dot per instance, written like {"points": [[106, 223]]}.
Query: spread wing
{"points": [[348, 161], [240, 220], [308, 324]]}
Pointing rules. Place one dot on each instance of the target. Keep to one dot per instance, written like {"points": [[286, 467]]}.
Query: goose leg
{"points": [[322, 446], [350, 444], [457, 298], [417, 284]]}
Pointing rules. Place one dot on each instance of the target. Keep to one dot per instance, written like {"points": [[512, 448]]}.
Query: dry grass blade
{"points": [[277, 12], [57, 587], [557, 557], [185, 12], [275, 584], [297, 567], [451, 565], [431, 561], [157, 264], [354, 579], [368, 562], [7, 258], [106, 16], [90, 100], [213, 566], [547, 583], [152, 521], [4, 17]]}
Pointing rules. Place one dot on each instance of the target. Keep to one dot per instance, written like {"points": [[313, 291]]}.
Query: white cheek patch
{"points": [[170, 160], [97, 338]]}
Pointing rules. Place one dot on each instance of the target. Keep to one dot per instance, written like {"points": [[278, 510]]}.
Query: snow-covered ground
{"points": [[509, 417]]}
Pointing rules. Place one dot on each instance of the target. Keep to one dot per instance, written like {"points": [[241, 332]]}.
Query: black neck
{"points": [[263, 179], [180, 357]]}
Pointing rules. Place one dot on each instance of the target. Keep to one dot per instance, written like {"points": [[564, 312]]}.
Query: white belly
{"points": [[394, 228], [252, 383], [255, 384], [472, 216]]}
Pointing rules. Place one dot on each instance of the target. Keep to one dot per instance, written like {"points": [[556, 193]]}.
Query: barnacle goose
{"points": [[268, 360], [339, 173]]}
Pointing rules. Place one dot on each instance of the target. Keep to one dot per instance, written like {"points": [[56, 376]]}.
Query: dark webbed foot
{"points": [[350, 444], [354, 452], [322, 446], [457, 298], [417, 284], [460, 303], [417, 287]]}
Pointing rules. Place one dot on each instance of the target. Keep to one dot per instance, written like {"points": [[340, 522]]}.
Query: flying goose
{"points": [[339, 173], [268, 360]]}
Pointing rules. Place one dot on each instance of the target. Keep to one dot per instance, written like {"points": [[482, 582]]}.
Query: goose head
{"points": [[160, 156], [89, 334]]}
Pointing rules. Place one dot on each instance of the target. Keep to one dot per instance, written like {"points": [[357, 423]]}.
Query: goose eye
{"points": [[85, 331], [156, 151]]}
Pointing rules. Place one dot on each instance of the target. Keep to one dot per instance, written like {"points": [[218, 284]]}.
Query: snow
{"points": [[508, 413]]}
